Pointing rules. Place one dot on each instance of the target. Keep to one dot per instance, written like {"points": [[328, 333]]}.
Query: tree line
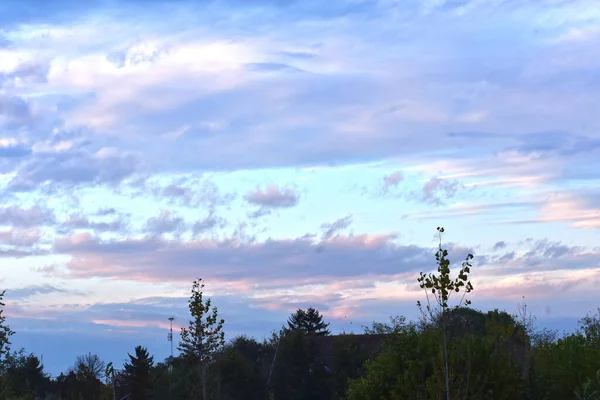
{"points": [[452, 352]]}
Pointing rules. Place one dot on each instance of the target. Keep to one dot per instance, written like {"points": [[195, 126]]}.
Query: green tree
{"points": [[22, 376], [137, 373], [109, 373], [5, 331], [441, 286], [204, 336], [298, 374], [309, 321], [241, 369], [395, 325]]}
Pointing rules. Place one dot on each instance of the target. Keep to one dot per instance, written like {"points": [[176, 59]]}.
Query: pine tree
{"points": [[309, 321], [204, 336], [137, 373]]}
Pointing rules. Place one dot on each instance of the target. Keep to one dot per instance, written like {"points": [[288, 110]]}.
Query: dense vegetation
{"points": [[453, 352]]}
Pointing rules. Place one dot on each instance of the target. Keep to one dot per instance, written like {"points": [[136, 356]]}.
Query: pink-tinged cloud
{"points": [[303, 258], [273, 197]]}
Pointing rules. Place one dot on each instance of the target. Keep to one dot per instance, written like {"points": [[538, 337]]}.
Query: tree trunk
{"points": [[203, 381], [446, 362]]}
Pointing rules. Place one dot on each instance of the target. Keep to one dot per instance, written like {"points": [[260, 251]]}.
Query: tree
{"points": [[442, 286], [298, 373], [109, 372], [90, 365], [310, 322], [5, 331], [241, 369], [137, 373], [22, 376], [204, 336], [395, 325]]}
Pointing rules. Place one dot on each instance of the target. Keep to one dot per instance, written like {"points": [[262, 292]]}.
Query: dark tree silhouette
{"points": [[137, 373], [309, 321], [5, 331]]}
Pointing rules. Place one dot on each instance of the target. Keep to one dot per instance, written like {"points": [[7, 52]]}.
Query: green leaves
{"points": [[441, 285], [204, 336]]}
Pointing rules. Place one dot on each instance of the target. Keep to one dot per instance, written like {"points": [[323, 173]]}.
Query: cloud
{"points": [[20, 237], [500, 245], [273, 197], [26, 217], [82, 222], [274, 260], [333, 228], [28, 291], [437, 191], [392, 180], [72, 168], [208, 223], [166, 222]]}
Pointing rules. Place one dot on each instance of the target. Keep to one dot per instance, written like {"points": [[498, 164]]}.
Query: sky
{"points": [[291, 153]]}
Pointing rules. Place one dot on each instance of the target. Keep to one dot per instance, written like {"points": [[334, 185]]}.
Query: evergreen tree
{"points": [[204, 336], [309, 321], [137, 373]]}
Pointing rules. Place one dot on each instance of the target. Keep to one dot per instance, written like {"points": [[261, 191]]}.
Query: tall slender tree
{"points": [[309, 321], [441, 286], [204, 336], [137, 373]]}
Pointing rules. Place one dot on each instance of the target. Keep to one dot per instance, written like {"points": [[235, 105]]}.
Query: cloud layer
{"points": [[292, 154]]}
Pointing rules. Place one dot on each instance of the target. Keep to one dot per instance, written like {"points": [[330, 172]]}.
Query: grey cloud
{"points": [[106, 211], [500, 245], [190, 192], [82, 222], [208, 223], [166, 222], [436, 190], [545, 249], [273, 197], [29, 291], [72, 168], [335, 227], [25, 218], [229, 260], [261, 212], [20, 237], [392, 180]]}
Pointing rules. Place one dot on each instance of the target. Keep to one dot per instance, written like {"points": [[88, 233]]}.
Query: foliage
{"points": [[297, 373], [442, 286], [562, 366], [309, 321], [5, 331], [204, 336], [395, 325], [487, 356], [137, 373], [412, 364]]}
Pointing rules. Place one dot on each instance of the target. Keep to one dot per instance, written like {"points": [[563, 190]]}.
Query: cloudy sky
{"points": [[292, 153]]}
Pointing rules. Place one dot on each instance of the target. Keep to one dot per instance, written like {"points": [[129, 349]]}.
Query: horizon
{"points": [[292, 154]]}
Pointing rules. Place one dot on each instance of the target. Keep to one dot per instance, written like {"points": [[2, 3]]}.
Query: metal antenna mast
{"points": [[170, 335]]}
